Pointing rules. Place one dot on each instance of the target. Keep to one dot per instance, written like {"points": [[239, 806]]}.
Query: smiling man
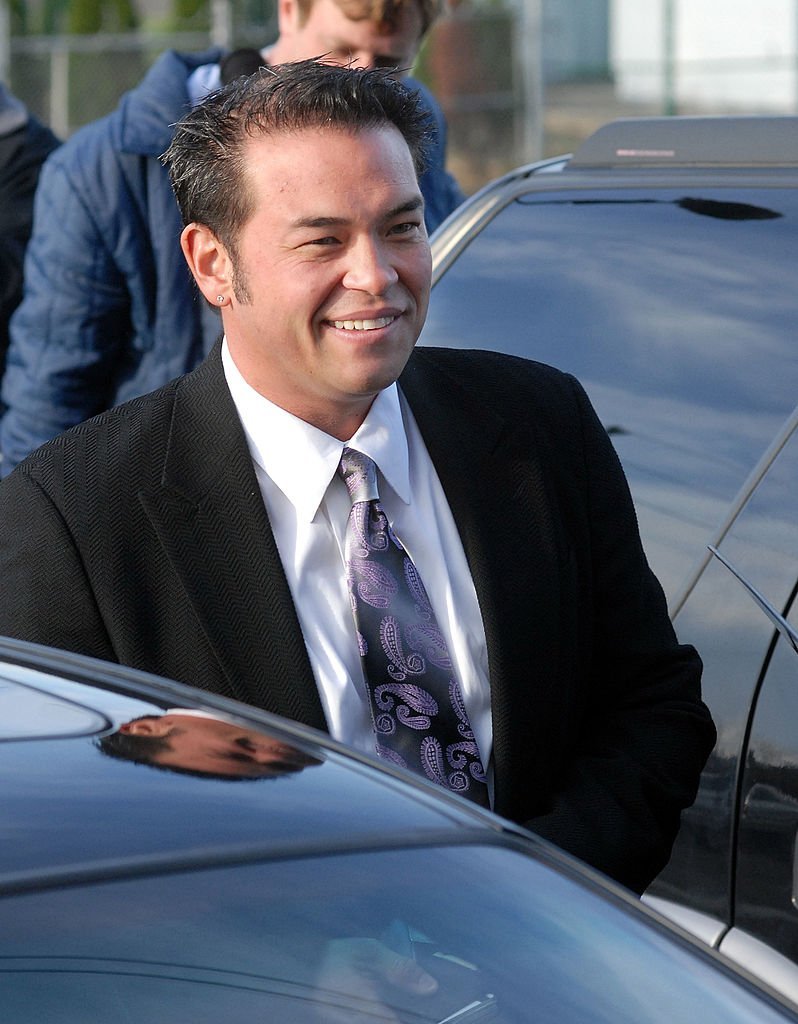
{"points": [[123, 319], [430, 553], [324, 288]]}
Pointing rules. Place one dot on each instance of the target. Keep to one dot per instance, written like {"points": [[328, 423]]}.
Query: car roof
{"points": [[753, 141], [736, 150]]}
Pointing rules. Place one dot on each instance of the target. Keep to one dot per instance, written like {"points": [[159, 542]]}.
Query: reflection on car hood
{"points": [[66, 802]]}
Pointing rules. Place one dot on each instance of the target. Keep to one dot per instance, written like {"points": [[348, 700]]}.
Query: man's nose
{"points": [[396, 67], [269, 753], [363, 59], [370, 268]]}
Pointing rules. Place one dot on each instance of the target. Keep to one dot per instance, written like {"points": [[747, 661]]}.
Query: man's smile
{"points": [[363, 325]]}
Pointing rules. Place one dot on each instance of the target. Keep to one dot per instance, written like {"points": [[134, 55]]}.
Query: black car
{"points": [[657, 264], [168, 856]]}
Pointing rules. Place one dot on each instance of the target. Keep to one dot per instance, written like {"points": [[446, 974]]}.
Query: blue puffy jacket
{"points": [[110, 310]]}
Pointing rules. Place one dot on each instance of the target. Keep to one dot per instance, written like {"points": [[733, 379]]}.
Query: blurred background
{"points": [[517, 79]]}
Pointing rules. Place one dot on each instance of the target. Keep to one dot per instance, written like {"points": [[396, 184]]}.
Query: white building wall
{"points": [[574, 38], [724, 54]]}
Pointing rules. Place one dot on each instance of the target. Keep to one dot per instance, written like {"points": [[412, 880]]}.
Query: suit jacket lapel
{"points": [[499, 498], [214, 528]]}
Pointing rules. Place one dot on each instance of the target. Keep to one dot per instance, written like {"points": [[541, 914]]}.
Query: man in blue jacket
{"points": [[110, 310]]}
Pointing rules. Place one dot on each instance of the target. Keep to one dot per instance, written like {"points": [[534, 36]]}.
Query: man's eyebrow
{"points": [[416, 203], [319, 222], [332, 222]]}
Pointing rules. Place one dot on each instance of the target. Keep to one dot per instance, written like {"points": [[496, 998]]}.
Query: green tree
{"points": [[52, 17], [18, 11], [185, 10], [86, 16], [188, 14]]}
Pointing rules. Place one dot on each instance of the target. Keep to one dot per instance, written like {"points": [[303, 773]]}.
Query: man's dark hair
{"points": [[206, 156]]}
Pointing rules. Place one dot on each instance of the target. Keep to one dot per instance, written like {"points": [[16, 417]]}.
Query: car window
{"points": [[676, 309], [734, 638], [508, 939]]}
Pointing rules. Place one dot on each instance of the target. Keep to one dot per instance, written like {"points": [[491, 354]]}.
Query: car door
{"points": [[732, 877]]}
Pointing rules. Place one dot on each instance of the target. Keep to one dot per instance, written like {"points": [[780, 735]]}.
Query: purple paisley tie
{"points": [[419, 715]]}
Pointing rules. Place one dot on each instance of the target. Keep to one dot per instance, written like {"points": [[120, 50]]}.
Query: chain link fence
{"points": [[471, 60], [485, 60]]}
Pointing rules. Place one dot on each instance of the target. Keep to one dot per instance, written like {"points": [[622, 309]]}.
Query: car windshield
{"points": [[675, 307], [508, 939]]}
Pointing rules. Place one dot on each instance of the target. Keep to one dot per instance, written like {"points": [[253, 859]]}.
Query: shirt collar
{"points": [[207, 78], [306, 459]]}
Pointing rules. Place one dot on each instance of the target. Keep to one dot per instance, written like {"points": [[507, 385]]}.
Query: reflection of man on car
{"points": [[196, 742]]}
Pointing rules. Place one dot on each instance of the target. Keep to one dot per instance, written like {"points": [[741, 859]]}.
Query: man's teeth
{"points": [[363, 325]]}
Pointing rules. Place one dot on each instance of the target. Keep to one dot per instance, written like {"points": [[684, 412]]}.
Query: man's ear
{"points": [[150, 726], [209, 262], [288, 17]]}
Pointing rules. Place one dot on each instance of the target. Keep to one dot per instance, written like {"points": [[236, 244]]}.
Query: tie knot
{"points": [[359, 473]]}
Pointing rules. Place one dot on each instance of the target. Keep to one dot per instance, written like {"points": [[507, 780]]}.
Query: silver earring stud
{"points": [[220, 299]]}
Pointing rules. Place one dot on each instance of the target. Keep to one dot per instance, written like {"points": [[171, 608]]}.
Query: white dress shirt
{"points": [[308, 506]]}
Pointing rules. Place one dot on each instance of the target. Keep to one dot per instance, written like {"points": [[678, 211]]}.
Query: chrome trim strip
{"points": [[738, 504], [761, 960], [710, 930], [782, 625]]}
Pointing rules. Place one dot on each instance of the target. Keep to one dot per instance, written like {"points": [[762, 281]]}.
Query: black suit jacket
{"points": [[141, 537]]}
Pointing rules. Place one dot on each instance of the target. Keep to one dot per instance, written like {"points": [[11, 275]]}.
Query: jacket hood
{"points": [[147, 114]]}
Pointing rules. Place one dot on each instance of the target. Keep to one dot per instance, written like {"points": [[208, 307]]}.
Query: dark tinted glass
{"points": [[676, 308], [508, 940], [734, 638]]}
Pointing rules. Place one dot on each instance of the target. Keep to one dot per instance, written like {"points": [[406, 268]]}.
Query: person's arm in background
{"points": [[24, 146], [75, 314]]}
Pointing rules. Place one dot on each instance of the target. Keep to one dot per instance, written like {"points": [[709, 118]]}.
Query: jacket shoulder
{"points": [[534, 399], [146, 115], [126, 443], [486, 370]]}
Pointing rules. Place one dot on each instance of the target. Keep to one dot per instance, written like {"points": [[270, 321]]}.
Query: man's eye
{"points": [[327, 240], [406, 227], [237, 757]]}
